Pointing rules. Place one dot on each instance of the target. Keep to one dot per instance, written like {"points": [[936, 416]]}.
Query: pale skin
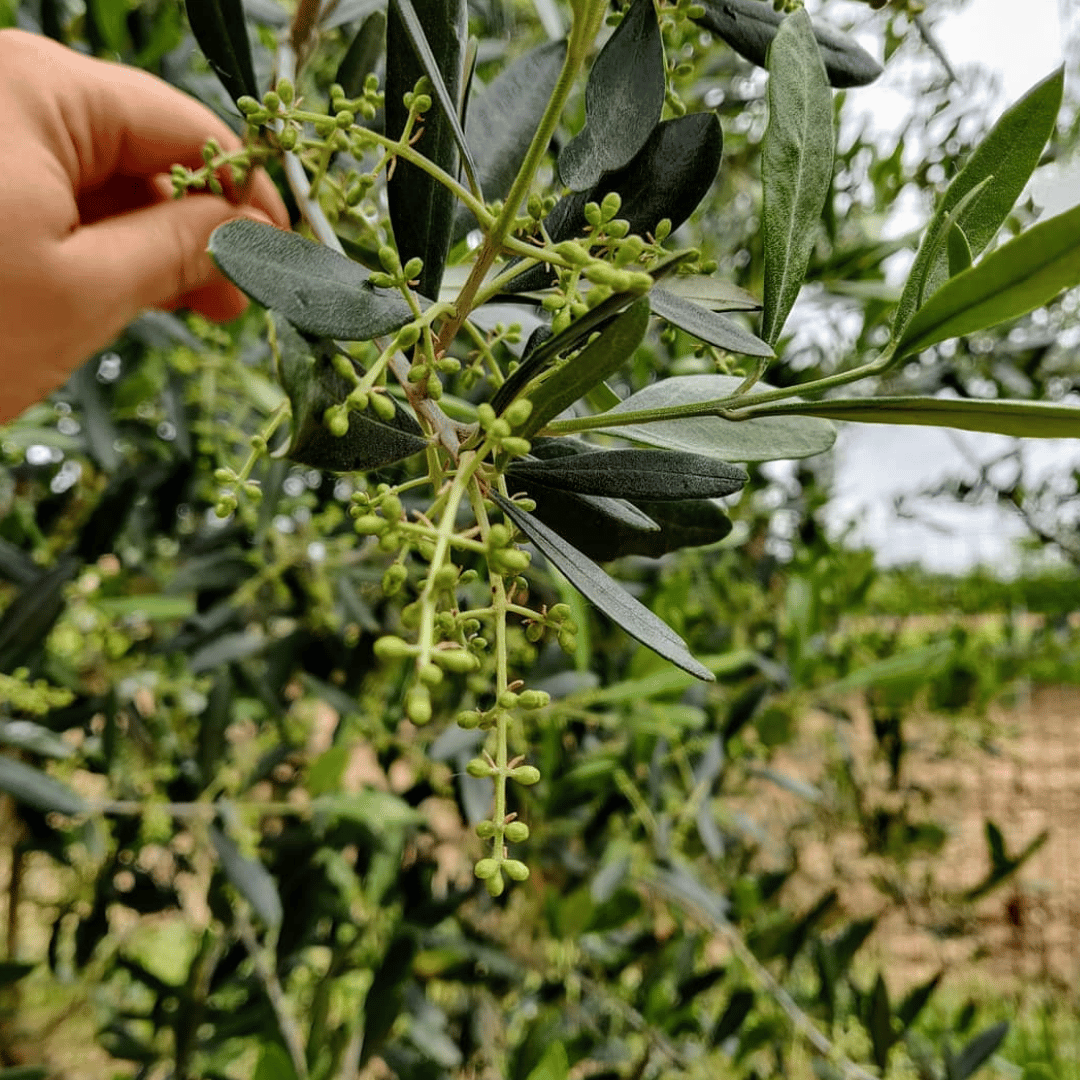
{"points": [[90, 235]]}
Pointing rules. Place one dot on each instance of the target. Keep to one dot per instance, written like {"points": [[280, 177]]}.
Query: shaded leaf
{"points": [[1003, 161], [670, 175], [425, 39], [660, 475], [249, 877], [316, 289], [977, 1052], [916, 1000], [502, 119], [599, 359], [749, 27], [28, 785], [708, 326], [25, 1072], [313, 386], [274, 1064], [220, 30], [31, 615], [731, 1019], [796, 165], [758, 439], [1016, 278], [623, 100], [1023, 419], [879, 1023], [958, 250], [636, 619], [362, 55]]}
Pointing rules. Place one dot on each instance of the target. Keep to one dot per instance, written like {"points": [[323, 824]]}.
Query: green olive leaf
{"points": [[658, 475], [316, 289], [708, 326], [596, 586], [959, 251], [670, 175], [577, 375], [1003, 162], [220, 30], [313, 385], [427, 38], [602, 529], [796, 165], [769, 438], [502, 119], [249, 878], [624, 98], [749, 27], [1023, 419], [32, 787], [363, 54], [1016, 278]]}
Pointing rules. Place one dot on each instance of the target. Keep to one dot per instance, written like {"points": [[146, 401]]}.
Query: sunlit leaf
{"points": [[502, 119], [249, 877], [220, 30], [316, 289], [760, 439], [599, 359], [708, 326], [1009, 282], [28, 785], [1003, 161], [313, 385], [425, 39], [796, 165], [749, 26], [636, 619], [623, 100]]}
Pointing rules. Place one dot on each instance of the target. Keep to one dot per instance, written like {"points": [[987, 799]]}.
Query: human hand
{"points": [[89, 233]]}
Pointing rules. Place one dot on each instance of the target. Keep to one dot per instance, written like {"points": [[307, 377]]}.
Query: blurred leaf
{"points": [[314, 385], [976, 1053], [33, 738], [363, 54], [749, 27], [1003, 162], [708, 326], [793, 784], [28, 785], [1012, 280], [636, 619], [428, 39], [1023, 419], [25, 1072], [249, 877], [375, 809], [756, 439], [668, 178], [28, 619], [502, 119], [922, 662], [659, 475], [274, 1064], [624, 98], [879, 1023], [553, 1065], [1002, 865], [228, 649], [731, 1019], [110, 20], [916, 1001], [796, 165], [11, 971], [319, 291], [596, 362], [326, 770], [220, 30]]}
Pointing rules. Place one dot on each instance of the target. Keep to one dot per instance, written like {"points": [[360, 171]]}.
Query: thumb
{"points": [[117, 267]]}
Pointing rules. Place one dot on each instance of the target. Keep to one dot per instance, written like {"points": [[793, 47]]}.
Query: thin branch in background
{"points": [[932, 44]]}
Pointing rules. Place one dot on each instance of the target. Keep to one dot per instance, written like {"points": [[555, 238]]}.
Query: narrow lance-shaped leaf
{"points": [[636, 619], [313, 385], [708, 326], [425, 39], [769, 438], [502, 118], [1021, 419], [959, 251], [667, 178], [28, 785], [598, 360], [1016, 278], [977, 1052], [796, 165], [749, 27], [623, 100], [220, 30], [316, 289], [1004, 161], [362, 55], [250, 878], [659, 475]]}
